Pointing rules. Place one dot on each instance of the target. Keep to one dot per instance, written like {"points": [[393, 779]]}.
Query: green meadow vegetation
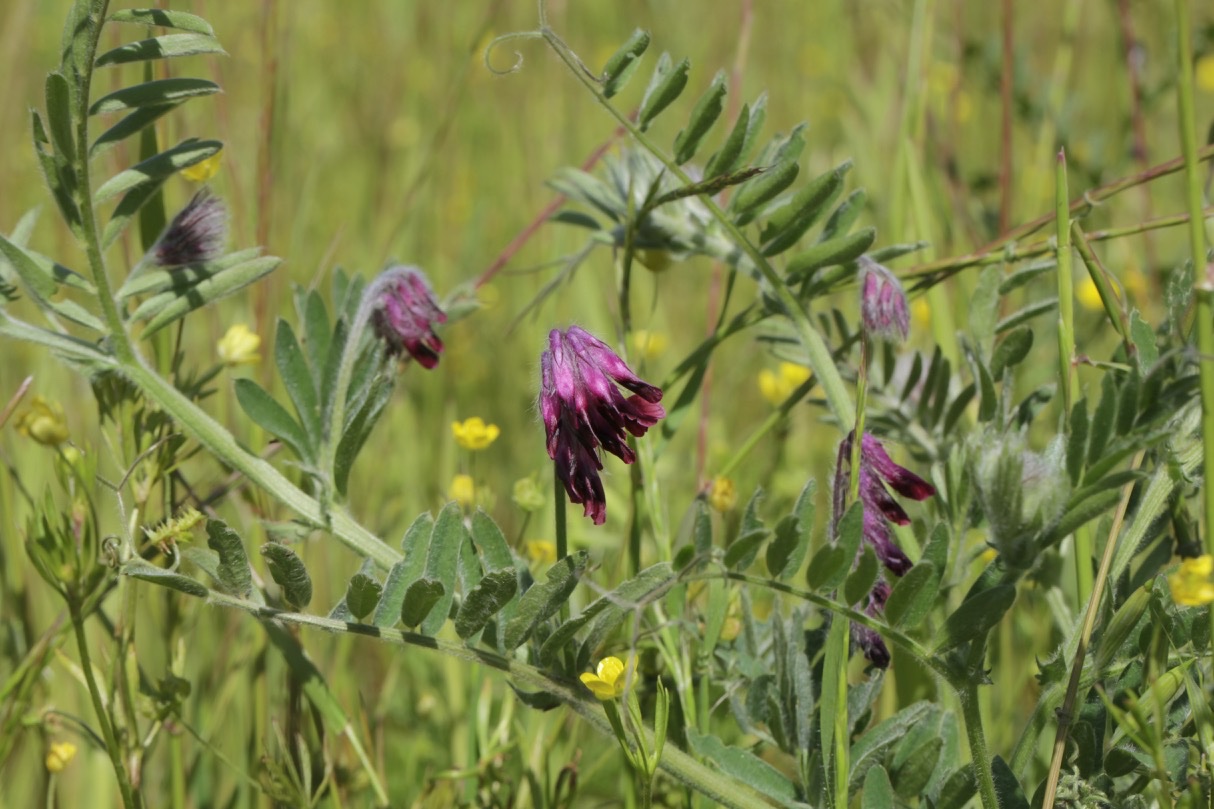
{"points": [[592, 404]]}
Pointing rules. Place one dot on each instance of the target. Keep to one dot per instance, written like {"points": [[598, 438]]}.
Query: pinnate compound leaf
{"points": [[706, 112], [420, 599], [289, 573], [838, 250], [174, 581], [169, 307], [542, 601], [181, 277], [744, 766], [788, 223], [158, 167], [913, 596], [233, 572], [272, 417], [162, 47], [975, 617], [362, 595], [494, 592], [152, 93], [164, 18], [665, 86]]}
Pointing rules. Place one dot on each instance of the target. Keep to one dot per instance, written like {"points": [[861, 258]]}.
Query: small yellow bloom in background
{"points": [[649, 345], [462, 490], [723, 496], [540, 551], [921, 313], [1088, 295], [1191, 584], [609, 679], [776, 386], [61, 753], [239, 346], [527, 494], [201, 172], [474, 434], [1204, 73], [44, 422]]}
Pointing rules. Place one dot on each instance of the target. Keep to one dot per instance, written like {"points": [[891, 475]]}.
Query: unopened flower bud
{"points": [[196, 234], [883, 307]]}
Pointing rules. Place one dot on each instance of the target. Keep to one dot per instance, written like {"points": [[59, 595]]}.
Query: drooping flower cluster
{"points": [[880, 510], [196, 234], [883, 308], [405, 314], [584, 411]]}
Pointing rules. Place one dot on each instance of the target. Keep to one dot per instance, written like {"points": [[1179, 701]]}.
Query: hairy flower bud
{"points": [[405, 314], [196, 234], [883, 307]]}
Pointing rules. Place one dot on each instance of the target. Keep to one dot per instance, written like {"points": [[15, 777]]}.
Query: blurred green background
{"points": [[359, 133]]}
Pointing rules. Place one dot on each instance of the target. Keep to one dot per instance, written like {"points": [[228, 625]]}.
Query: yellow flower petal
{"points": [[201, 172], [540, 551], [238, 346], [723, 496], [44, 422], [1191, 584], [474, 434], [60, 754], [462, 490]]}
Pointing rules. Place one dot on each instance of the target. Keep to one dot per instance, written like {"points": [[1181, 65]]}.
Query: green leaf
{"points": [[42, 277], [791, 541], [1143, 337], [181, 277], [762, 189], [317, 333], [59, 115], [1007, 789], [845, 215], [975, 617], [174, 581], [1077, 441], [362, 595], [1103, 419], [58, 173], [272, 417], [132, 203], [984, 310], [860, 580], [705, 113], [958, 788], [913, 596], [165, 164], [914, 773], [665, 86], [743, 766], [542, 601], [167, 308], [233, 573], [494, 592], [359, 430], [135, 122], [871, 748], [839, 250], [163, 18], [162, 47], [1025, 314], [1011, 351], [624, 63], [741, 552], [726, 159], [420, 599], [878, 793], [492, 543], [153, 93], [297, 378], [829, 566], [388, 610], [789, 223], [442, 561], [289, 573]]}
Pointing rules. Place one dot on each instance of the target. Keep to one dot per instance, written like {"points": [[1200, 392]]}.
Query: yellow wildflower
{"points": [[44, 422], [1191, 584], [921, 313], [61, 753], [776, 386], [201, 172], [239, 346], [1088, 295], [649, 345], [723, 496], [540, 551], [1204, 73], [462, 490], [609, 679], [527, 494], [474, 434]]}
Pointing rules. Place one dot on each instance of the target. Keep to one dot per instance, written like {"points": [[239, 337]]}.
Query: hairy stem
{"points": [[976, 737]]}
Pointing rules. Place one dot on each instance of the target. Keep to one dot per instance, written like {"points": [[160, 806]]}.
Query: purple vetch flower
{"points": [[883, 308], [880, 509], [405, 314], [583, 411], [196, 234]]}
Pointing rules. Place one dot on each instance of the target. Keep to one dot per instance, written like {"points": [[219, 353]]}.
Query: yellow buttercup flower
{"points": [[238, 346], [649, 345], [609, 678], [44, 422], [61, 753], [201, 172], [1204, 73], [540, 551], [462, 490], [1191, 584], [776, 386], [474, 434], [1088, 295], [723, 496]]}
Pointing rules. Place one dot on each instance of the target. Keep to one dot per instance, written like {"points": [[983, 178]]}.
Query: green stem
{"points": [[977, 741], [130, 798], [811, 340], [562, 524], [1203, 273]]}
